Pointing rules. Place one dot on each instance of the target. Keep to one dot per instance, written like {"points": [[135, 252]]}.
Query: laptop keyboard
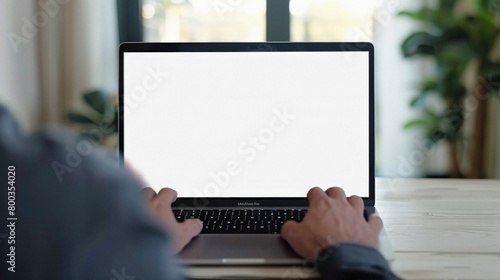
{"points": [[242, 221]]}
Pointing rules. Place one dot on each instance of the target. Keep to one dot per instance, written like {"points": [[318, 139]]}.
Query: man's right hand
{"points": [[332, 218]]}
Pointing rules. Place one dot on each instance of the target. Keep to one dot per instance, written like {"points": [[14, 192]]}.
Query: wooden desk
{"points": [[442, 228], [439, 229]]}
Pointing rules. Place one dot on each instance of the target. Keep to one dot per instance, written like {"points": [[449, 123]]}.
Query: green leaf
{"points": [[79, 118], [430, 85], [433, 120], [431, 116], [454, 34], [416, 100], [447, 5], [485, 5], [481, 32], [437, 18], [97, 100], [420, 15], [420, 43], [413, 123]]}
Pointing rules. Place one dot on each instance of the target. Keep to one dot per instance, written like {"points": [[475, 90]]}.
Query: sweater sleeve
{"points": [[353, 261]]}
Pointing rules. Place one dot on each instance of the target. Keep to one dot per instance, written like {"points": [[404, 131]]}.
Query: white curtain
{"points": [[78, 51], [19, 89], [56, 50]]}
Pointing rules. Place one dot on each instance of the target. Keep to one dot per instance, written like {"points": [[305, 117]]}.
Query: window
{"points": [[332, 20], [245, 20], [203, 20]]}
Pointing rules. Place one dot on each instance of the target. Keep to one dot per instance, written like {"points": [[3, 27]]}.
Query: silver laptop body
{"points": [[248, 128]]}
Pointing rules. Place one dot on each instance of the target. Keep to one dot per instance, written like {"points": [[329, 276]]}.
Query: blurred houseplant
{"points": [[456, 42], [99, 124]]}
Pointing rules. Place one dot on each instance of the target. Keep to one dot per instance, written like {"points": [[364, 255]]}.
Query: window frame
{"points": [[130, 21], [129, 16]]}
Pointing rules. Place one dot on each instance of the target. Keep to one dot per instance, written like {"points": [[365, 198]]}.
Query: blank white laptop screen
{"points": [[248, 124]]}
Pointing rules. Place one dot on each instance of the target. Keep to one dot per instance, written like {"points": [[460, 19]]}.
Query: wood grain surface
{"points": [[442, 228]]}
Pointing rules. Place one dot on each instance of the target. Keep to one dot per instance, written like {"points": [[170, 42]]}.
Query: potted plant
{"points": [[456, 42]]}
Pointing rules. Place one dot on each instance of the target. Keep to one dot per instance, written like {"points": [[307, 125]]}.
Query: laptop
{"points": [[242, 131]]}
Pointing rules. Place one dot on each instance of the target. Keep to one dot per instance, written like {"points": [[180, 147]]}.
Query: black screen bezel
{"points": [[254, 47]]}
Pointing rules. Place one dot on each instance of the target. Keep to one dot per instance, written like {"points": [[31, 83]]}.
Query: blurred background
{"points": [[437, 71]]}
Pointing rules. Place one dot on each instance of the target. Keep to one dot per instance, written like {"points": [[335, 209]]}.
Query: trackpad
{"points": [[238, 249]]}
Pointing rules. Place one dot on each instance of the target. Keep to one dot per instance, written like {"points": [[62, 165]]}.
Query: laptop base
{"points": [[254, 249]]}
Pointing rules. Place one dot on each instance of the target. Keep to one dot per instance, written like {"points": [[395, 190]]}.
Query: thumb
{"points": [[183, 233], [191, 228], [289, 229], [375, 223]]}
